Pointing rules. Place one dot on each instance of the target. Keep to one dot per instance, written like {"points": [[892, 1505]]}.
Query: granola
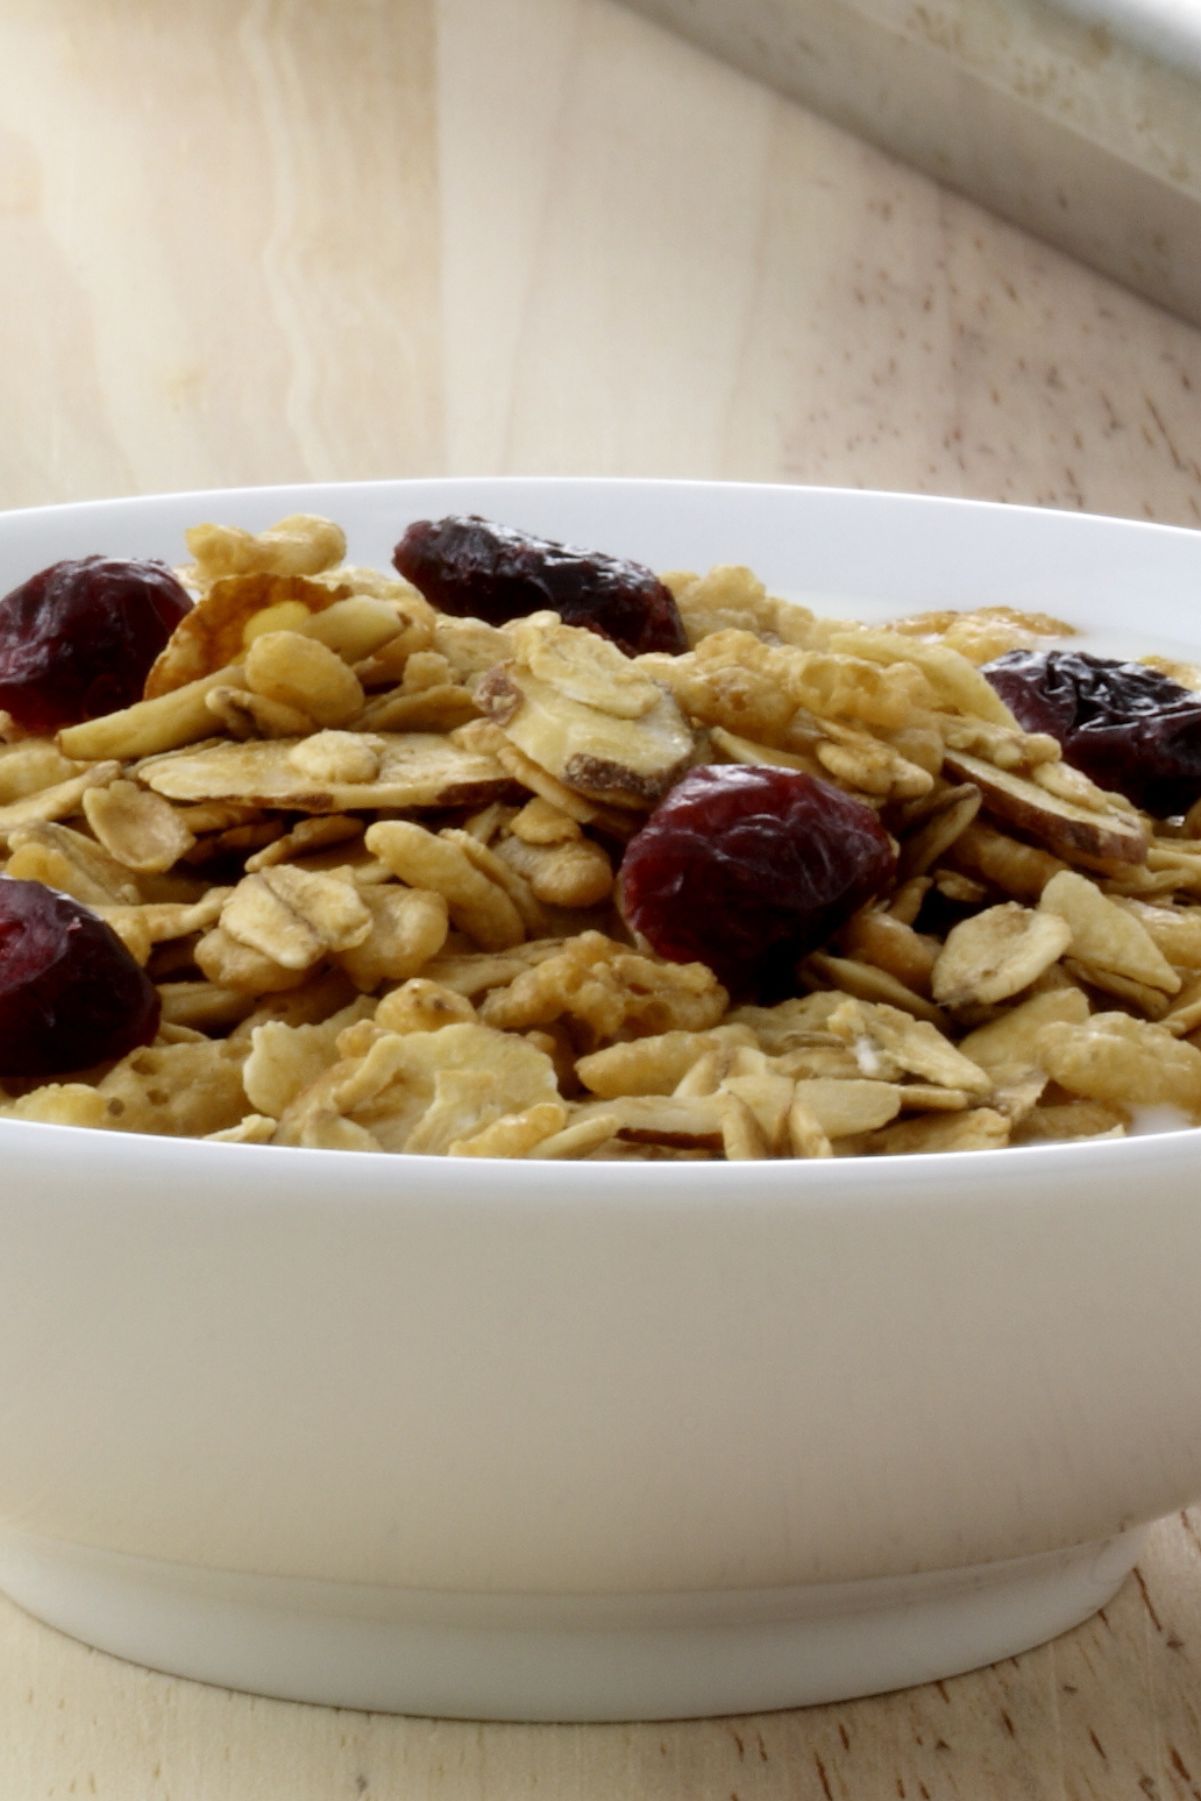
{"points": [[369, 856]]}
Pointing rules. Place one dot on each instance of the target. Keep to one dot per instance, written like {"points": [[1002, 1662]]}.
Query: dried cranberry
{"points": [[70, 993], [77, 639], [468, 566], [1127, 727], [746, 868]]}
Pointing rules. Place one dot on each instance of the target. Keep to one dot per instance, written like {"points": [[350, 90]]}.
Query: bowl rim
{"points": [[908, 497], [963, 1179]]}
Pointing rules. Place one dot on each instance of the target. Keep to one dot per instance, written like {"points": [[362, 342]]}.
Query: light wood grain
{"points": [[221, 244], [263, 240]]}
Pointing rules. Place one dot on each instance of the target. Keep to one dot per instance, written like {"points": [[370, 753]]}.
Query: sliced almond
{"points": [[1073, 831], [619, 761], [416, 769]]}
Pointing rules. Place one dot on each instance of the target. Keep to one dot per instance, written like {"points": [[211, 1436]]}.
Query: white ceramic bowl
{"points": [[595, 1442]]}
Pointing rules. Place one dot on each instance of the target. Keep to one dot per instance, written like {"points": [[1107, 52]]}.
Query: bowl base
{"points": [[556, 1657]]}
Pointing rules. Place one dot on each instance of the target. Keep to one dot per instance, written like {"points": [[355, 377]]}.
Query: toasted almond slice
{"points": [[419, 769], [480, 735], [1073, 831], [615, 760]]}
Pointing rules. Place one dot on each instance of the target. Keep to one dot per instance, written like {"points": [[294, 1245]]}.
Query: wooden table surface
{"points": [[271, 240]]}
